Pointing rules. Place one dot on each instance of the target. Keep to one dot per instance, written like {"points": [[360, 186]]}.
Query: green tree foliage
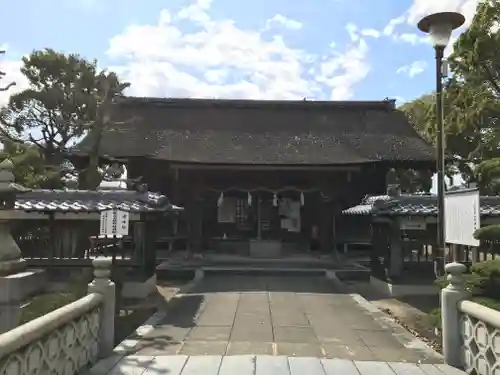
{"points": [[63, 102], [471, 100], [475, 64], [30, 169], [110, 90], [421, 113], [489, 233], [488, 176], [410, 181], [475, 110]]}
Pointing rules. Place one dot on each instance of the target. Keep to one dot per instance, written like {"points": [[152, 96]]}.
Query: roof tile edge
{"points": [[386, 104]]}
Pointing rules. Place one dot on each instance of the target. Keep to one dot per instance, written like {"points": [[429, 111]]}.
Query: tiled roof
{"points": [[92, 201], [366, 205], [418, 205], [261, 132]]}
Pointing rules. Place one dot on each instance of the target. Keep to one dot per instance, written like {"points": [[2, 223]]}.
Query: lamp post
{"points": [[439, 26]]}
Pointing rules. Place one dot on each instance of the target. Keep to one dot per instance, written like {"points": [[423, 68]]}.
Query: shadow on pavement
{"points": [[291, 283]]}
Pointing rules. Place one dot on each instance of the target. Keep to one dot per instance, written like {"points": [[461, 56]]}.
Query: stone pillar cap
{"points": [[455, 268]]}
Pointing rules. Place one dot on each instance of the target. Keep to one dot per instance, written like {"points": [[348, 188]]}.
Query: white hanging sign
{"points": [[413, 223], [114, 223]]}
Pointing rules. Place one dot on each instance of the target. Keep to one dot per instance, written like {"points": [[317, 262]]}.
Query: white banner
{"points": [[114, 223]]}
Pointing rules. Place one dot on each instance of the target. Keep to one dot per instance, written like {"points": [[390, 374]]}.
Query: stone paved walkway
{"points": [[300, 316], [269, 365]]}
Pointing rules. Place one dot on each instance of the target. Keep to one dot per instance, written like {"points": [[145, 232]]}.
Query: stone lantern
{"points": [[16, 281], [10, 255]]}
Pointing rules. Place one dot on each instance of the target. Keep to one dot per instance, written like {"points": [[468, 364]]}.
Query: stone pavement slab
{"points": [[300, 316], [268, 365]]}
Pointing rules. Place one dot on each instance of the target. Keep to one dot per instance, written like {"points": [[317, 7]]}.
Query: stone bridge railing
{"points": [[470, 331], [67, 340]]}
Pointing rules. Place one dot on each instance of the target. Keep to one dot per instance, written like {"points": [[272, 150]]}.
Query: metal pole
{"points": [[441, 244], [259, 227]]}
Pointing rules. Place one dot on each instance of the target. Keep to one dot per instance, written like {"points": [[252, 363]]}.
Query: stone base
{"points": [[265, 249], [398, 290], [9, 267], [139, 289], [10, 317], [18, 286], [14, 289]]}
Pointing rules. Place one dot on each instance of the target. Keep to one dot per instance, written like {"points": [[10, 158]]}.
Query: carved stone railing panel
{"points": [[480, 330], [64, 351], [481, 346], [68, 340]]}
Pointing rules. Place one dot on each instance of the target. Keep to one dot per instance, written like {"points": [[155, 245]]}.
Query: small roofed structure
{"points": [[71, 204], [424, 205], [402, 233], [54, 227], [264, 178]]}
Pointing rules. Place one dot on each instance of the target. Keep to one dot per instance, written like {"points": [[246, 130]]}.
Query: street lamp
{"points": [[439, 26]]}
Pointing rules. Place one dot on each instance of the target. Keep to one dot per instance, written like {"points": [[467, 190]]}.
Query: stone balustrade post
{"points": [[102, 284], [451, 295]]}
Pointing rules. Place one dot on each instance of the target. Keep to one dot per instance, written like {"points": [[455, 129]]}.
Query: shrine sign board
{"points": [[413, 223], [462, 216], [114, 222]]}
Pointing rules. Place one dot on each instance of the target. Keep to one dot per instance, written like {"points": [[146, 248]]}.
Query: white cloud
{"points": [[422, 8], [12, 71], [216, 76], [352, 29], [389, 29], [411, 38], [414, 68], [284, 21], [196, 12], [371, 33], [343, 71], [221, 59]]}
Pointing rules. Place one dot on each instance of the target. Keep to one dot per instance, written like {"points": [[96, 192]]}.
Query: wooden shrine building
{"points": [[261, 177]]}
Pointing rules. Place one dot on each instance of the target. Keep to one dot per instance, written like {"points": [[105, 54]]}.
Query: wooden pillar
{"points": [[326, 226], [335, 215], [396, 250], [174, 193], [174, 197], [147, 233], [195, 214]]}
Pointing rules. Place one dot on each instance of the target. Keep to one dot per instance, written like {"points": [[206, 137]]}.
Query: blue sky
{"points": [[280, 49]]}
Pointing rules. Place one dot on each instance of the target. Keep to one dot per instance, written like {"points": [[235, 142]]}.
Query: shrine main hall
{"points": [[262, 177]]}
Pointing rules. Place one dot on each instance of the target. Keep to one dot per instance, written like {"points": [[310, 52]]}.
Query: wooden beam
{"points": [[23, 215], [247, 167]]}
